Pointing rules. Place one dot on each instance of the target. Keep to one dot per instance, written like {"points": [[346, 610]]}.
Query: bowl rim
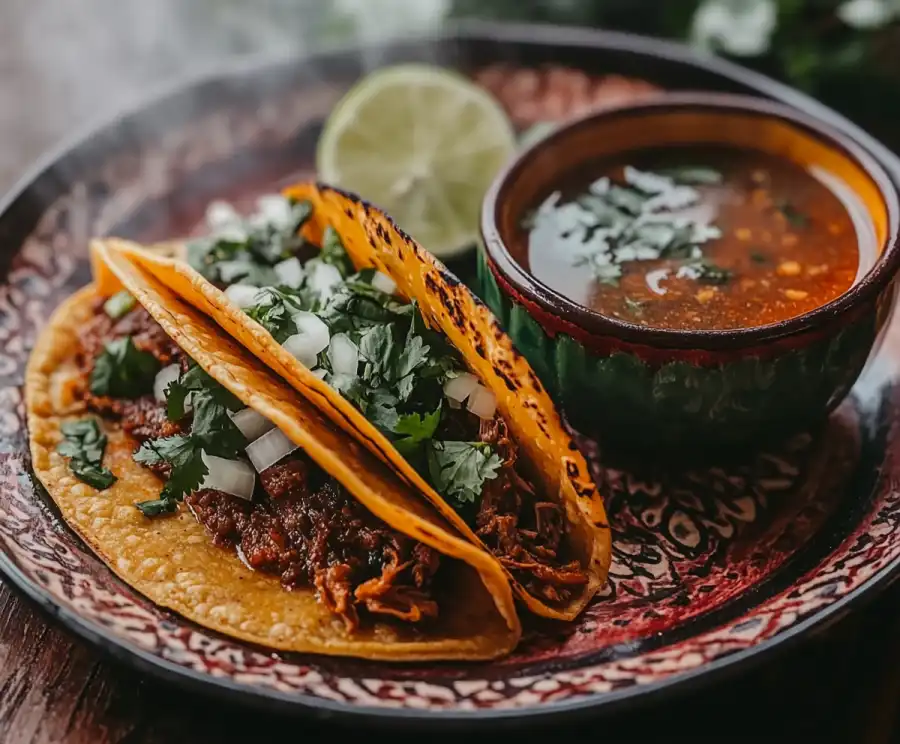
{"points": [[571, 313]]}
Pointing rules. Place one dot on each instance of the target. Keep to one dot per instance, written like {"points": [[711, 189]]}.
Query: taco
{"points": [[213, 488], [373, 330]]}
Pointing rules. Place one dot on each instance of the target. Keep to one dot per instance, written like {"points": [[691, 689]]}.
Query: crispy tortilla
{"points": [[173, 561], [372, 240]]}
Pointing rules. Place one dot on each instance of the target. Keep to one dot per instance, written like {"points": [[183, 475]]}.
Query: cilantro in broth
{"points": [[121, 370], [695, 175], [795, 218], [84, 444], [645, 217]]}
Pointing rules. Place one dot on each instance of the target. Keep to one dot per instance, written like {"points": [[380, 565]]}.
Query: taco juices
{"points": [[370, 328], [216, 490]]}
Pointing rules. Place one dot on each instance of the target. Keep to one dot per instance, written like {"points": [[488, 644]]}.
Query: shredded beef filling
{"points": [[525, 533], [301, 525], [310, 532]]}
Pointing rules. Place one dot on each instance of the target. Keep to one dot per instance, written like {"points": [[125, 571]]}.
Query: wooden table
{"points": [[842, 686]]}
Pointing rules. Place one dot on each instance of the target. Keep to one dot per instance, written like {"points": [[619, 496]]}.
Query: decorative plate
{"points": [[712, 568]]}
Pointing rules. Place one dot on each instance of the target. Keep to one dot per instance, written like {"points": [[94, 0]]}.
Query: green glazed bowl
{"points": [[701, 390]]}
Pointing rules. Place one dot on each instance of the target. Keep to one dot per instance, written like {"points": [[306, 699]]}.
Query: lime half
{"points": [[422, 143]]}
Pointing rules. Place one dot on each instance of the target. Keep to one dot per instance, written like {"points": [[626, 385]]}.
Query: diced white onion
{"points": [[269, 449], [236, 233], [252, 424], [290, 272], [383, 283], [323, 278], [342, 382], [312, 337], [242, 295], [460, 387], [320, 373], [234, 477], [343, 354], [221, 214], [298, 346], [165, 377], [275, 209], [482, 402]]}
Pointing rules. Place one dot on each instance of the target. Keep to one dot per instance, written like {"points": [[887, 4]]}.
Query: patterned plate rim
{"points": [[600, 703], [298, 704]]}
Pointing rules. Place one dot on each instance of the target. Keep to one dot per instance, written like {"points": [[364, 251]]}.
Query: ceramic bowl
{"points": [[689, 390]]}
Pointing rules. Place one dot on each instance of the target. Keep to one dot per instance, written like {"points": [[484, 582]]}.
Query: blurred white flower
{"points": [[381, 19], [868, 14], [743, 28]]}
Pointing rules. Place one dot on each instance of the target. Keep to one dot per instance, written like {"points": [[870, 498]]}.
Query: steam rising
{"points": [[64, 63]]}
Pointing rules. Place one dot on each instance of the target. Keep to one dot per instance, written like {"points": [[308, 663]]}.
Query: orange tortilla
{"points": [[173, 561], [372, 240]]}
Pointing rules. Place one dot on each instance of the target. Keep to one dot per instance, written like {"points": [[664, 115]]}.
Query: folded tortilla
{"points": [[373, 241], [173, 561]]}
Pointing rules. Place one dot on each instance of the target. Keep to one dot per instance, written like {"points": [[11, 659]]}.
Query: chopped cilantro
{"points": [[121, 370], [709, 273], [196, 383], [635, 307], [276, 312], [604, 272], [377, 348], [301, 211], [388, 364], [84, 444], [758, 257], [642, 219], [247, 251], [626, 199], [681, 244], [357, 305], [186, 458], [334, 253], [413, 356], [119, 304], [155, 507], [212, 431], [795, 217], [415, 429], [381, 410], [694, 175], [399, 388], [458, 470]]}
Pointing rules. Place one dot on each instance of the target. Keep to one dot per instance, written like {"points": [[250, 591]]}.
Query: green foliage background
{"points": [[854, 70]]}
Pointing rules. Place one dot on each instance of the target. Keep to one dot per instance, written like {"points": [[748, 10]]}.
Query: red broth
{"points": [[759, 240]]}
